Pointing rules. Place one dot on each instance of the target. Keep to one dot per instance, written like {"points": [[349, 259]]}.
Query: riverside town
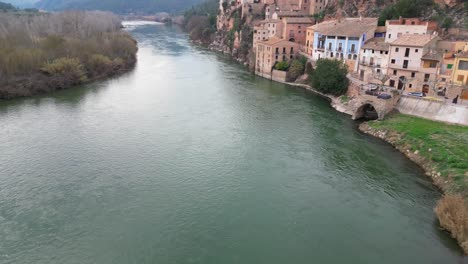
{"points": [[233, 131]]}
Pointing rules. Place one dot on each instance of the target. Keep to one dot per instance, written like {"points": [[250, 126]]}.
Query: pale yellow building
{"points": [[460, 69]]}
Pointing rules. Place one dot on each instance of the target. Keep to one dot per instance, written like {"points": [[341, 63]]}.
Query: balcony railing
{"points": [[339, 49], [352, 51]]}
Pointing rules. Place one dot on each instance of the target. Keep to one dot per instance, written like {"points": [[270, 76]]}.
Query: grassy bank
{"points": [[442, 150]]}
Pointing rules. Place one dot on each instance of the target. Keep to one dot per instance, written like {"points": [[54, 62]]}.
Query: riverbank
{"points": [[442, 151], [43, 58]]}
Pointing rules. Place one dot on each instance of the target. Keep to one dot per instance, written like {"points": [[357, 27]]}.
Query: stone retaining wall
{"points": [[434, 110]]}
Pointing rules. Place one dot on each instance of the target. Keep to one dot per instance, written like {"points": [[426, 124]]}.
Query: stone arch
{"points": [[367, 110]]}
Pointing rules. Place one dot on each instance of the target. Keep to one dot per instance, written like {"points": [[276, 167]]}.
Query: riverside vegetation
{"points": [[43, 52], [442, 150]]}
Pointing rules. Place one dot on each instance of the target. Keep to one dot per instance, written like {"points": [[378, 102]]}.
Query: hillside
{"points": [[21, 3], [120, 6]]}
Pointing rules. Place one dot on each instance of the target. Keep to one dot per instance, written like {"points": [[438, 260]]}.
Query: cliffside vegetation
{"points": [[443, 151], [45, 52], [200, 21]]}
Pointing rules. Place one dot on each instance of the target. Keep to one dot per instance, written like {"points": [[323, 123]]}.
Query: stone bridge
{"points": [[362, 103]]}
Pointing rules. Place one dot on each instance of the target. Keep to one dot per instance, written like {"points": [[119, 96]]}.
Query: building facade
{"points": [[342, 39], [295, 28], [460, 69], [267, 29], [270, 52], [405, 59], [373, 60], [404, 26]]}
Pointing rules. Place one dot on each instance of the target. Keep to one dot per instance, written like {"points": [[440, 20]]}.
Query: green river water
{"points": [[189, 158]]}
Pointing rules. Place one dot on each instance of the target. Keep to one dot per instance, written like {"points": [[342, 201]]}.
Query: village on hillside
{"points": [[406, 54]]}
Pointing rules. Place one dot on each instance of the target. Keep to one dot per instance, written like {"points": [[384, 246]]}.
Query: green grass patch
{"points": [[446, 146]]}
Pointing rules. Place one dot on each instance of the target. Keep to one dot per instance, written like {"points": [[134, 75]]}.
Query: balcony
{"points": [[352, 51], [339, 49]]}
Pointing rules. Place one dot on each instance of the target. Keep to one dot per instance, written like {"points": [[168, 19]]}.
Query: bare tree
{"points": [[382, 78]]}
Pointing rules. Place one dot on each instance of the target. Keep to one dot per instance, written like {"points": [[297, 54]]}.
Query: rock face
{"points": [[235, 32]]}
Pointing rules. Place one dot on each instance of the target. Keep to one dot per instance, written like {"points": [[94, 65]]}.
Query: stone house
{"points": [[341, 39], [373, 60], [267, 29], [406, 55], [271, 51], [294, 28]]}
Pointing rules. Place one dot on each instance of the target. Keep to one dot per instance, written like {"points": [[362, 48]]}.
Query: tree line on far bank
{"points": [[45, 52]]}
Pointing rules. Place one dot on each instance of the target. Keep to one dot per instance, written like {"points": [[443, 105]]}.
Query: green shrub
{"points": [[282, 66], [330, 77], [296, 69]]}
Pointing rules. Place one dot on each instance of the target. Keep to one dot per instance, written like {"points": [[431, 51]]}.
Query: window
{"points": [[407, 52], [349, 56], [463, 65], [426, 77], [460, 78], [413, 74], [410, 85], [444, 79], [354, 57], [277, 50], [386, 52], [393, 61], [378, 71], [405, 64], [433, 64], [449, 66], [416, 50], [395, 72], [389, 35], [397, 49]]}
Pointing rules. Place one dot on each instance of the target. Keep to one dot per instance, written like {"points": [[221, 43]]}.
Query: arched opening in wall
{"points": [[292, 40], [401, 82], [367, 112]]}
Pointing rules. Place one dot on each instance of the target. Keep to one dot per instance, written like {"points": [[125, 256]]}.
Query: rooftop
{"points": [[413, 40], [432, 55], [274, 41], [350, 27], [299, 20], [377, 44], [462, 54], [290, 14]]}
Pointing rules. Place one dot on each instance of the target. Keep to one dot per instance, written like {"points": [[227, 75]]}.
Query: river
{"points": [[191, 159]]}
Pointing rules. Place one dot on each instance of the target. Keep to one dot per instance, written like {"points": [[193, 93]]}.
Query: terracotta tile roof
{"points": [[290, 13], [432, 55], [462, 54], [377, 44], [381, 29], [274, 41], [413, 40], [299, 20], [350, 27]]}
